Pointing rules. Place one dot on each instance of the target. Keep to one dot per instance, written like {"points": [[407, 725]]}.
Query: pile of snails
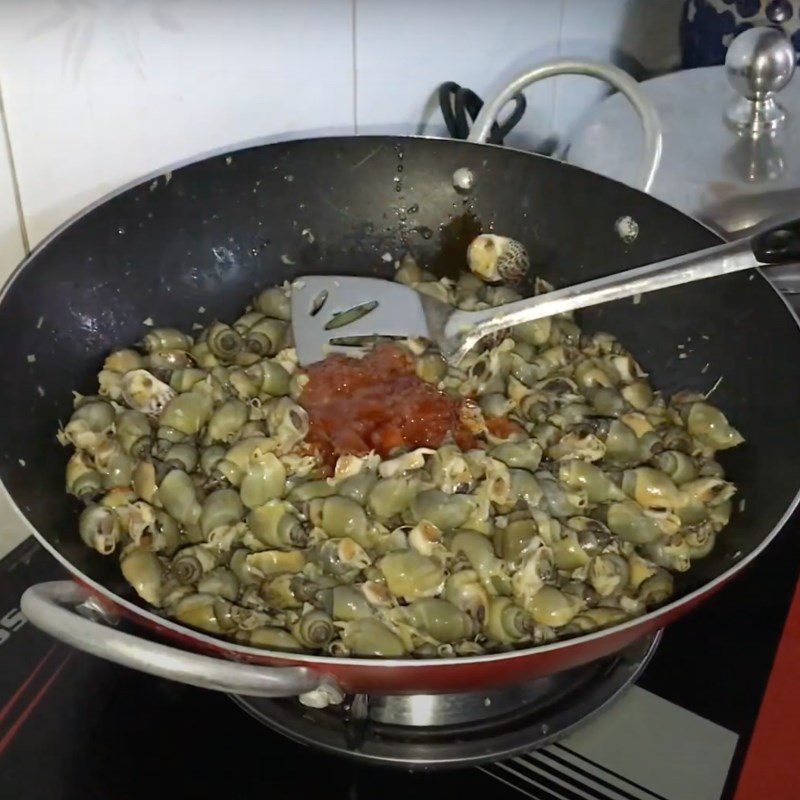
{"points": [[193, 469]]}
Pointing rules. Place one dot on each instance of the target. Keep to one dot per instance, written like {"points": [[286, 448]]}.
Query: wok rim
{"points": [[151, 619]]}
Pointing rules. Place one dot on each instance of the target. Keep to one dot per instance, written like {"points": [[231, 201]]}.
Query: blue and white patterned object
{"points": [[709, 26]]}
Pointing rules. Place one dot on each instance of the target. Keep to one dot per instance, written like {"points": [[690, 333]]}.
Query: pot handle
{"points": [[51, 607], [618, 78]]}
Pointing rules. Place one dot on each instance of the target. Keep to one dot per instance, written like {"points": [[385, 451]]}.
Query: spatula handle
{"points": [[779, 245]]}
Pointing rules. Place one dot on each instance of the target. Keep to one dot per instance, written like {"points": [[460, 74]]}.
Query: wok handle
{"points": [[619, 79], [51, 607]]}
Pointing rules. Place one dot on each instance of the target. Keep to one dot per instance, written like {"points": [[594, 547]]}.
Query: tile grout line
{"points": [[23, 230], [353, 4], [556, 82]]}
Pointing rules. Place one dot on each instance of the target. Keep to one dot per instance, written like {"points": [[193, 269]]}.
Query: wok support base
{"points": [[435, 732]]}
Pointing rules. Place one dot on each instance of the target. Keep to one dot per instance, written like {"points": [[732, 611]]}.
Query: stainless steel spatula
{"points": [[327, 309]]}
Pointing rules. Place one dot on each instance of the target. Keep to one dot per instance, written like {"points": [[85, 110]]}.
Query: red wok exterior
{"points": [[372, 676]]}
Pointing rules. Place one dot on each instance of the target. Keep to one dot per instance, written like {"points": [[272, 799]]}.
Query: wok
{"points": [[206, 236]]}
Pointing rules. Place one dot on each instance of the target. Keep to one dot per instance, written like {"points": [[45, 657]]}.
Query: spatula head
{"points": [[329, 308]]}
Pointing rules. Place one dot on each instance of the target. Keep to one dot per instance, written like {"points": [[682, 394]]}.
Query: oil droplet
{"points": [[424, 231], [398, 188], [399, 167], [120, 230], [412, 209], [463, 179]]}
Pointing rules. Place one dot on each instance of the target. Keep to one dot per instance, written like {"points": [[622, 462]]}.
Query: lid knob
{"points": [[760, 62]]}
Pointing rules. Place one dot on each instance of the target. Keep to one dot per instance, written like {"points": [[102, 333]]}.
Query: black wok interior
{"points": [[209, 234]]}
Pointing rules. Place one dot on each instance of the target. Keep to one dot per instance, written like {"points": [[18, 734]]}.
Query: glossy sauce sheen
{"points": [[377, 403]]}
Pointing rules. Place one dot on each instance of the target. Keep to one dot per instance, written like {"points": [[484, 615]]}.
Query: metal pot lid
{"points": [[731, 136]]}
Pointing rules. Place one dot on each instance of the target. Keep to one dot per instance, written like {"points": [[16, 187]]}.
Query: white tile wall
{"points": [[405, 50], [98, 92], [12, 250]]}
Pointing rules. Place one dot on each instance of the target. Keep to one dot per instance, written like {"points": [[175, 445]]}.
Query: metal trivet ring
{"points": [[430, 732]]}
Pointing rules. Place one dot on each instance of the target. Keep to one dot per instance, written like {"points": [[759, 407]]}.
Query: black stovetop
{"points": [[72, 726]]}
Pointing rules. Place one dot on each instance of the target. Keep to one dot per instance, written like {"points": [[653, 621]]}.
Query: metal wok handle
{"points": [[44, 605], [619, 79]]}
